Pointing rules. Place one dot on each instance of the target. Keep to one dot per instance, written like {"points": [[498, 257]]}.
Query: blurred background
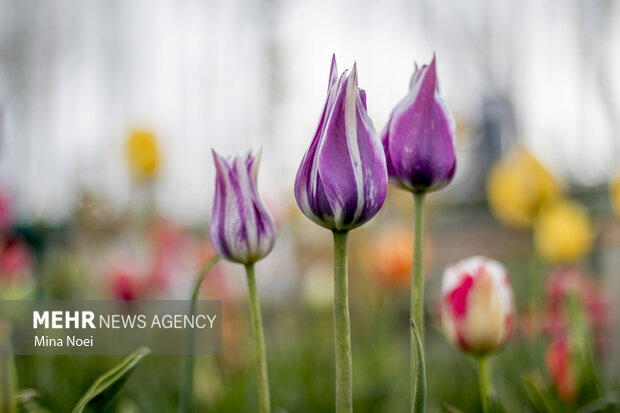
{"points": [[108, 113]]}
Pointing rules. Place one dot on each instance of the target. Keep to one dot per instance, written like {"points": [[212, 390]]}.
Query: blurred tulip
{"points": [[143, 154], [420, 135], [568, 281], [614, 191], [477, 305], [15, 261], [342, 180], [125, 286], [242, 229], [517, 186], [561, 369], [562, 231], [388, 256]]}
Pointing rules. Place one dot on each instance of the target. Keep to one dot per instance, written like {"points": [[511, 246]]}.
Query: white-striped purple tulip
{"points": [[242, 229], [419, 137], [342, 180]]}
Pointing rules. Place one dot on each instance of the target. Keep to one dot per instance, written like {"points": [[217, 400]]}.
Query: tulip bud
{"points": [[561, 368], [419, 138], [342, 180], [476, 305], [242, 229]]}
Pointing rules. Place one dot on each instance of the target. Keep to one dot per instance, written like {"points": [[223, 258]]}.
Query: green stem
{"points": [[417, 281], [419, 396], [342, 329], [188, 380], [417, 285], [483, 379], [264, 405]]}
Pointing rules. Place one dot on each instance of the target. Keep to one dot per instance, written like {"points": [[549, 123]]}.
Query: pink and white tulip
{"points": [[477, 307]]}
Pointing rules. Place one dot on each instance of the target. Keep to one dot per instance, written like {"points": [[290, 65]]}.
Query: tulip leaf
{"points": [[609, 403], [495, 404], [419, 391], [107, 385], [539, 393]]}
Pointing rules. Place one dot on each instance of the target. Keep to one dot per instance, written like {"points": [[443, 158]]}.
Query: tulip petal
{"points": [[477, 305], [419, 137], [342, 180], [242, 229]]}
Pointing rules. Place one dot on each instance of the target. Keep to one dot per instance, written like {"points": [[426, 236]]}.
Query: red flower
{"points": [[561, 368]]}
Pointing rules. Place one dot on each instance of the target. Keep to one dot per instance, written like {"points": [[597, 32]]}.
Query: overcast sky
{"points": [[76, 76]]}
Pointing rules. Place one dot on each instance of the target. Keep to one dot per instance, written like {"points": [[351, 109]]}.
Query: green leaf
{"points": [[107, 385], [539, 393], [419, 391], [495, 404], [609, 403]]}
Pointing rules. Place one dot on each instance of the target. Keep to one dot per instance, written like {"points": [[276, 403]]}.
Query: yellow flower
{"points": [[143, 154], [614, 192], [517, 186], [563, 231]]}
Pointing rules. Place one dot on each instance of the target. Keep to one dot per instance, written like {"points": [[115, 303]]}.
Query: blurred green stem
{"points": [[188, 380], [417, 286], [342, 329], [264, 405], [483, 380], [8, 374]]}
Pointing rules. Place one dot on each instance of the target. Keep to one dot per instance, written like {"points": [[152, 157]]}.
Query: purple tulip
{"points": [[419, 137], [342, 180], [242, 229]]}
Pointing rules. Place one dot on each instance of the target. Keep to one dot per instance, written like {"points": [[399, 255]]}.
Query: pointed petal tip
{"points": [[218, 161], [215, 155], [430, 73], [353, 75], [333, 72], [432, 65]]}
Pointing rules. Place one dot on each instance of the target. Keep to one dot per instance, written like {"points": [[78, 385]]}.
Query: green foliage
{"points": [[300, 343], [105, 388], [8, 377], [27, 401]]}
